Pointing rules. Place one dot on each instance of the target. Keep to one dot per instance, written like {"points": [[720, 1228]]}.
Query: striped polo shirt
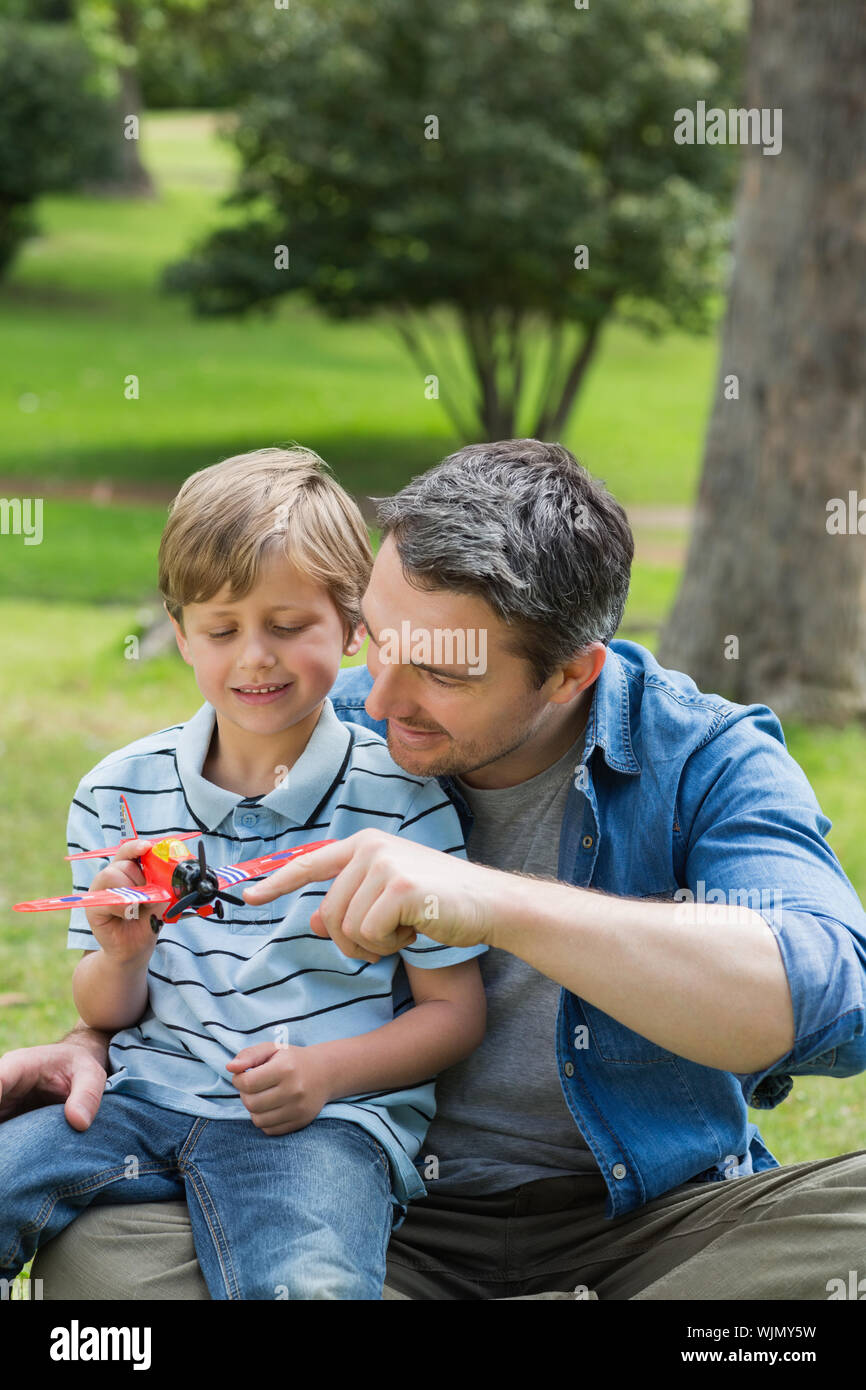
{"points": [[261, 974]]}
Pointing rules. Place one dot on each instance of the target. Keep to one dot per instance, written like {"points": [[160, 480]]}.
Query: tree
{"points": [[197, 53], [175, 42], [772, 606], [444, 165], [111, 29], [54, 128]]}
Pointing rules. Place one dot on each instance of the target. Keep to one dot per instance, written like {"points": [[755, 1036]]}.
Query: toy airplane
{"points": [[172, 875]]}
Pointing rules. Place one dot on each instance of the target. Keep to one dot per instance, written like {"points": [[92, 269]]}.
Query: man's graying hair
{"points": [[524, 526]]}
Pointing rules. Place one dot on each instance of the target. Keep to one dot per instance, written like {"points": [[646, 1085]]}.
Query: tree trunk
{"points": [[134, 178], [763, 566]]}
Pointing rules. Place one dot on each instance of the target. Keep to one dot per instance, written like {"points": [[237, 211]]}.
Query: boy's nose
{"points": [[256, 657]]}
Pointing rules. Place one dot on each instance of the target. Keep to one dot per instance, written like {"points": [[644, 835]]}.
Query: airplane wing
{"points": [[258, 868], [111, 850], [105, 897]]}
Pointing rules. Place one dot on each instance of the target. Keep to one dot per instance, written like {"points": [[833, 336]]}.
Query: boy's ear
{"points": [[182, 644], [355, 640]]}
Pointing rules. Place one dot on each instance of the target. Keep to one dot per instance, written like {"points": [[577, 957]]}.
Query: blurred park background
{"points": [[122, 262]]}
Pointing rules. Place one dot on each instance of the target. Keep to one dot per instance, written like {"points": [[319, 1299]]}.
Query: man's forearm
{"points": [[712, 989]]}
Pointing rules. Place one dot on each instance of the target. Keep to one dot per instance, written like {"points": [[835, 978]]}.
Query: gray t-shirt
{"points": [[501, 1118]]}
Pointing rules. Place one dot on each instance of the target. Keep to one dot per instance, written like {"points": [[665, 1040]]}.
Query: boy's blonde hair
{"points": [[227, 518]]}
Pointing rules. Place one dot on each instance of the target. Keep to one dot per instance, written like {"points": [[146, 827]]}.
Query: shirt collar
{"points": [[300, 795], [608, 726], [609, 723]]}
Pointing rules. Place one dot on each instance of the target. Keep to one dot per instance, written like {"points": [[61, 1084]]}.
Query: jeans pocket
{"points": [[368, 1141], [382, 1156]]}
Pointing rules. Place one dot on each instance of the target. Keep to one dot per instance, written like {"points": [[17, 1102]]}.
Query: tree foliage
{"points": [[555, 129], [197, 53], [54, 126]]}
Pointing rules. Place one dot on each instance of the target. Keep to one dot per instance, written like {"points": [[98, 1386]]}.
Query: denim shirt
{"points": [[685, 796]]}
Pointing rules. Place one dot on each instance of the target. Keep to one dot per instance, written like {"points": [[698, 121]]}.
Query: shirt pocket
{"points": [[616, 1043], [260, 919], [613, 1041]]}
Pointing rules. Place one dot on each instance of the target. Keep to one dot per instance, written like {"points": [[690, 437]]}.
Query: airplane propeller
{"points": [[202, 887]]}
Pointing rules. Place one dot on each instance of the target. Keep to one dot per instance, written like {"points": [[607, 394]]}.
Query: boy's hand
{"points": [[124, 938], [282, 1087]]}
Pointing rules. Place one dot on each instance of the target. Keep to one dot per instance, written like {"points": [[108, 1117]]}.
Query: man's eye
{"points": [[446, 685]]}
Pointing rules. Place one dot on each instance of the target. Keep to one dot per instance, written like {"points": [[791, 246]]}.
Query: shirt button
{"points": [[587, 842], [619, 1170], [248, 820], [569, 1069]]}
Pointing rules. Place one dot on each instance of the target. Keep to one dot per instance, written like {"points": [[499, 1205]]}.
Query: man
{"points": [[599, 1137]]}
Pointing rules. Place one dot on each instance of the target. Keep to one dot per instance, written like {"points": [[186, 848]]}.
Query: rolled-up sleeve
{"points": [[754, 835]]}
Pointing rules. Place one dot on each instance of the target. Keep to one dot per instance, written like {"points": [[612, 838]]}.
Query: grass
{"points": [[89, 553], [82, 311]]}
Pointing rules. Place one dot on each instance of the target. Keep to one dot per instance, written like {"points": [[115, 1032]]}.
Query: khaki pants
{"points": [[781, 1234]]}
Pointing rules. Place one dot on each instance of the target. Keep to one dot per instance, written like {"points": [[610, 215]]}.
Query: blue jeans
{"points": [[305, 1215]]}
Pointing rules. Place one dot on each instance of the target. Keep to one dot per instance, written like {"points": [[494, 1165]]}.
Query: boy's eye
{"points": [[229, 631]]}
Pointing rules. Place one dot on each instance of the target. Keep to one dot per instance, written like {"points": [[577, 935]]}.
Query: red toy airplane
{"points": [[172, 875]]}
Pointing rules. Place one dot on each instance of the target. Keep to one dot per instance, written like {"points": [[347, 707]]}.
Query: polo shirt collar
{"points": [[306, 786]]}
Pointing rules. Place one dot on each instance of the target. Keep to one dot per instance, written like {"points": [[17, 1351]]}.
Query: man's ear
{"points": [[180, 638], [355, 640], [579, 674]]}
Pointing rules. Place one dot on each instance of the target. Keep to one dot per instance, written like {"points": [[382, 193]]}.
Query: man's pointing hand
{"points": [[386, 890]]}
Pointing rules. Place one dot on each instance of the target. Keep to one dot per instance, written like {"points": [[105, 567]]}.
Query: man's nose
{"points": [[389, 690]]}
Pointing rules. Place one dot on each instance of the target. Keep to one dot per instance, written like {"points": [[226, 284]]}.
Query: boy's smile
{"points": [[261, 694]]}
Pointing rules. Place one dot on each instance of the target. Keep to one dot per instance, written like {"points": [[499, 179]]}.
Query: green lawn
{"points": [[89, 553], [83, 310]]}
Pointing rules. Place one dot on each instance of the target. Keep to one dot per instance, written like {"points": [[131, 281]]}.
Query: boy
{"points": [[283, 1088]]}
